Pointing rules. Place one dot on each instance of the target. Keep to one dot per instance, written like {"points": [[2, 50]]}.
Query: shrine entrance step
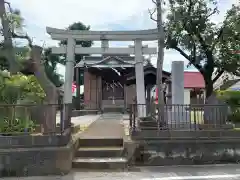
{"points": [[113, 109], [100, 154], [113, 106], [101, 146]]}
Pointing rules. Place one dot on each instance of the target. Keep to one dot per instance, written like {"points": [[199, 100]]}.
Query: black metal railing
{"points": [[182, 117], [17, 119]]}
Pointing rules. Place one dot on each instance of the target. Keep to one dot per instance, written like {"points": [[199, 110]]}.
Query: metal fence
{"points": [[32, 119], [182, 117]]}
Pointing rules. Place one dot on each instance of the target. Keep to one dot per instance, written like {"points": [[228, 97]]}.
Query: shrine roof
{"points": [[193, 80], [107, 60]]}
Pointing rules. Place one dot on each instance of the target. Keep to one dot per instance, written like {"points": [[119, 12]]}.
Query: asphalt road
{"points": [[208, 172]]}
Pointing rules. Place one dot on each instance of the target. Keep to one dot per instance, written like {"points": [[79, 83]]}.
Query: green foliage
{"points": [[232, 98], [50, 64], [20, 88], [15, 19], [16, 126], [229, 43]]}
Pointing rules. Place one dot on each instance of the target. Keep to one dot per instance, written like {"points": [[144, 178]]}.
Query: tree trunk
{"points": [[8, 45], [208, 86], [213, 110], [49, 88], [160, 63]]}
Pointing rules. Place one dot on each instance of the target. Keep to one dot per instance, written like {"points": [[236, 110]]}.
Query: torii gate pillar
{"points": [[141, 96], [67, 98]]}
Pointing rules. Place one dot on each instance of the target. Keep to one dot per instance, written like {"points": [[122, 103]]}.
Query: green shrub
{"points": [[232, 98], [16, 126]]}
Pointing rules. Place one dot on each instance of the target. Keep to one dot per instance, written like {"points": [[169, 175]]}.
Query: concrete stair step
{"points": [[148, 123], [113, 109], [100, 163], [101, 142], [148, 118], [100, 152]]}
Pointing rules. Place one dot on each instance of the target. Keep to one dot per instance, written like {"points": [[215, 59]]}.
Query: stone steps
{"points": [[100, 163], [113, 109], [100, 142], [101, 153], [148, 124]]}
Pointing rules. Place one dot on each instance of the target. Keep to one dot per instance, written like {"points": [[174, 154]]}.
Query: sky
{"points": [[100, 15]]}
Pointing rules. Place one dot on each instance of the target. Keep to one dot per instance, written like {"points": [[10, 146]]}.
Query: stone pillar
{"points": [[87, 87], [78, 76], [178, 117], [99, 80], [177, 82], [104, 45], [69, 72], [148, 92], [141, 98]]}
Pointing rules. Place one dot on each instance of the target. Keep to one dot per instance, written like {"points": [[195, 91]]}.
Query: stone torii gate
{"points": [[105, 36]]}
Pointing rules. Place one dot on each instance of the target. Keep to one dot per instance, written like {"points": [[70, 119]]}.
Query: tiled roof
{"points": [[193, 80]]}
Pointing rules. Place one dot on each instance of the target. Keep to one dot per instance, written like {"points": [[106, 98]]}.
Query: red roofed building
{"points": [[193, 80], [194, 88]]}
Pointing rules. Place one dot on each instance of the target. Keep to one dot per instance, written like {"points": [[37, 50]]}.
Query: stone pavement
{"points": [[207, 172], [84, 121], [107, 126]]}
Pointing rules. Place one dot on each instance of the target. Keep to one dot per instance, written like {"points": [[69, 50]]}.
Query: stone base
{"points": [[187, 153], [36, 161]]}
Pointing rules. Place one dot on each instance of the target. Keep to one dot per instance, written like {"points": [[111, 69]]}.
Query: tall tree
{"points": [[32, 65], [208, 46], [160, 58]]}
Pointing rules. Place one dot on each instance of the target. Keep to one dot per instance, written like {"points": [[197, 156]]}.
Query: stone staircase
{"points": [[100, 154], [116, 107], [148, 123]]}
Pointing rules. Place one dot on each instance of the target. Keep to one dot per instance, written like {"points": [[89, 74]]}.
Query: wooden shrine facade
{"points": [[110, 81]]}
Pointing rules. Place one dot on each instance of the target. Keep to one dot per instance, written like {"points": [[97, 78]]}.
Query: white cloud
{"points": [[61, 13]]}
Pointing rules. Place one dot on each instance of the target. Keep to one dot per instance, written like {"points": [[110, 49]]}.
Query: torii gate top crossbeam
{"points": [[144, 35]]}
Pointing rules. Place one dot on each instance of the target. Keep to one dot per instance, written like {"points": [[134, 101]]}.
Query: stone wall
{"points": [[35, 161], [185, 152], [30, 141], [23, 160]]}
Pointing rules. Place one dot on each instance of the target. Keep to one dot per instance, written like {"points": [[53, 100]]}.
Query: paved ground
{"points": [[84, 121], [107, 126], [209, 172]]}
